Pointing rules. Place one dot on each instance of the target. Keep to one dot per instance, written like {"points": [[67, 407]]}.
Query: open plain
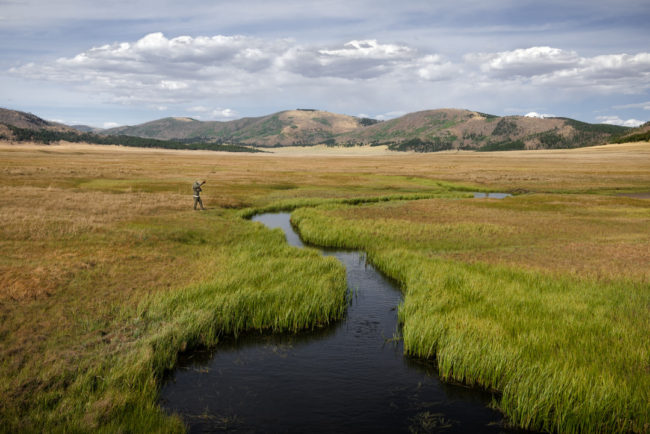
{"points": [[106, 272]]}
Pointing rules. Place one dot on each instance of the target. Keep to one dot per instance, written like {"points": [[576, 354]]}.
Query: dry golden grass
{"points": [[323, 150], [587, 235], [54, 193], [54, 196]]}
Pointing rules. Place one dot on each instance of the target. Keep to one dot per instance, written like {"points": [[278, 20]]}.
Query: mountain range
{"points": [[430, 130]]}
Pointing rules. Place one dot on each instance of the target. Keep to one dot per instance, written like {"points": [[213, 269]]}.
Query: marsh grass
{"points": [[567, 355], [106, 273], [568, 352], [258, 283]]}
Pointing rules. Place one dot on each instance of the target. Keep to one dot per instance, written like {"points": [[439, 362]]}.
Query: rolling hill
{"points": [[434, 130], [430, 130], [27, 121], [638, 134], [291, 127], [17, 127]]}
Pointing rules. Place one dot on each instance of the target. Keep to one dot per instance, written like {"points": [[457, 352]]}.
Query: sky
{"points": [[125, 62]]}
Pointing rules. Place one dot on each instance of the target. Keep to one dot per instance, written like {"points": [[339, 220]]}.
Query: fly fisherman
{"points": [[197, 193]]}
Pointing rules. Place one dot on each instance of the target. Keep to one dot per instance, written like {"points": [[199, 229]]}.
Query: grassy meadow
{"points": [[107, 273]]}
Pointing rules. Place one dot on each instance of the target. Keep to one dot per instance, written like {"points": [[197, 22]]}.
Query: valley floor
{"points": [[107, 272]]}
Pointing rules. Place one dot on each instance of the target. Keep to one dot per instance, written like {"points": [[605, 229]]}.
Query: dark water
{"points": [[350, 377]]}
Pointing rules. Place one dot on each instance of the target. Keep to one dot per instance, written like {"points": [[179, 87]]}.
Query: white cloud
{"points": [[111, 124], [369, 49], [390, 115], [172, 85], [554, 67], [434, 68], [611, 73], [224, 114], [615, 120], [159, 71], [215, 76], [365, 59], [208, 113], [539, 115], [525, 62]]}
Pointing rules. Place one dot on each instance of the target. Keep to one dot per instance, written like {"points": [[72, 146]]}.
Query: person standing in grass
{"points": [[197, 193]]}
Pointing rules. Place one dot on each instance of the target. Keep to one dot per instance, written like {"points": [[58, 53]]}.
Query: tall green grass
{"points": [[327, 228], [566, 354], [261, 284]]}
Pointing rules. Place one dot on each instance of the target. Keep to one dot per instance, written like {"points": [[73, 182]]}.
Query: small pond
{"points": [[349, 377], [491, 195]]}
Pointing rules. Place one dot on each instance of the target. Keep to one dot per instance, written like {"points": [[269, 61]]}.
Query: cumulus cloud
{"points": [[390, 115], [369, 49], [204, 112], [525, 62], [362, 59], [224, 113], [435, 68], [539, 115], [622, 73], [158, 70], [615, 120], [547, 66], [211, 74]]}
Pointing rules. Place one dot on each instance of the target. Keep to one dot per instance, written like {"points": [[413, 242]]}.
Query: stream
{"points": [[349, 377]]}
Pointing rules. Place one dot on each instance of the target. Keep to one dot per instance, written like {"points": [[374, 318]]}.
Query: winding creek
{"points": [[349, 377]]}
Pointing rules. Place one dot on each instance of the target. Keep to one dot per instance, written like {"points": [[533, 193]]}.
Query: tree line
{"points": [[49, 136]]}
